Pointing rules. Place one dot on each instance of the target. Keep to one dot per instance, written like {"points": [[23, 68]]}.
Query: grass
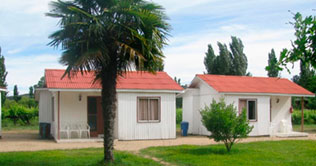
{"points": [[8, 125], [79, 157], [269, 153], [309, 128]]}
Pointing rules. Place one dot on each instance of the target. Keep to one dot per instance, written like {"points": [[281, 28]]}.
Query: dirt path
{"points": [[25, 140]]}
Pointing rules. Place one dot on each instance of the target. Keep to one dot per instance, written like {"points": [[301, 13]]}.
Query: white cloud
{"points": [[24, 32], [186, 60], [14, 51], [26, 71]]}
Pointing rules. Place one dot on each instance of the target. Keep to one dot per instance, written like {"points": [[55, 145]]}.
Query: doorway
{"points": [[95, 117]]}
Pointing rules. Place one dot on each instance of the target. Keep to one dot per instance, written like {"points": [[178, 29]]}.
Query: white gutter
{"points": [[266, 94]]}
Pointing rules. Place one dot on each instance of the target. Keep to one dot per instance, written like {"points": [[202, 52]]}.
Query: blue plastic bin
{"points": [[184, 128]]}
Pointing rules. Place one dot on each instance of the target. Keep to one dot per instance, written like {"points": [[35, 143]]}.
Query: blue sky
{"points": [[261, 25]]}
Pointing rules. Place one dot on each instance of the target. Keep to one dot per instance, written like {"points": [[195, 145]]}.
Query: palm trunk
{"points": [[109, 75]]}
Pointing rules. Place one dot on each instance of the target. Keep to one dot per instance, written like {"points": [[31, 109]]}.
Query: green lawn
{"points": [[309, 128], [81, 157], [270, 153]]}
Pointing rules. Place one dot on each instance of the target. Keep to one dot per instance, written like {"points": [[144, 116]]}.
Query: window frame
{"points": [[256, 108], [138, 109]]}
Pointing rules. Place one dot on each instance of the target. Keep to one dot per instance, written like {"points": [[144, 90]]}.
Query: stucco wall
{"points": [[280, 111], [130, 129]]}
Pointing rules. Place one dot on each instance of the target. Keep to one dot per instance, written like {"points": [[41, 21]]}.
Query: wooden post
{"points": [[302, 119]]}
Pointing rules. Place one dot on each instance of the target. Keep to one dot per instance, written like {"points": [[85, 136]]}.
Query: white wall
{"points": [[74, 111], [280, 111], [207, 94], [262, 125], [130, 129], [190, 102], [193, 101], [45, 107]]}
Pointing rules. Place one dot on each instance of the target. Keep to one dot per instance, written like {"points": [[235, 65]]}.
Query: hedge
{"points": [[309, 117]]}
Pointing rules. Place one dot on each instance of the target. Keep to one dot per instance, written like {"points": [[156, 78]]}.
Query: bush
{"points": [[224, 123], [178, 115], [28, 102], [309, 117], [23, 111]]}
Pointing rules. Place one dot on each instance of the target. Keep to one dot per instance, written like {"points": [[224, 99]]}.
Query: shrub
{"points": [[28, 102], [178, 115], [309, 117], [224, 123], [21, 111]]}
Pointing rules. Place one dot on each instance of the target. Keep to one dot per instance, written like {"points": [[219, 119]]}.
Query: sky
{"points": [[260, 24]]}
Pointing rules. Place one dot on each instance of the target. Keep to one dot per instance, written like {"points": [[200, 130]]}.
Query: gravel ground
{"points": [[28, 140]]}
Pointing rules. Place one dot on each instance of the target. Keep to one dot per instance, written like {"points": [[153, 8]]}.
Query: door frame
{"points": [[99, 118]]}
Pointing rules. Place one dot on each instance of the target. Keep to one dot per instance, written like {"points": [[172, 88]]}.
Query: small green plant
{"points": [[224, 123], [178, 115]]}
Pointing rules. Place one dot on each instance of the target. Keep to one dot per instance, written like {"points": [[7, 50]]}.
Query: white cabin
{"points": [[267, 101], [146, 105]]}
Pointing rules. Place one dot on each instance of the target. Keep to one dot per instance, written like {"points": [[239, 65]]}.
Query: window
{"points": [[251, 107], [148, 109]]}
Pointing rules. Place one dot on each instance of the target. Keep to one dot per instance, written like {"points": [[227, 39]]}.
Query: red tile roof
{"points": [[246, 84], [130, 80]]}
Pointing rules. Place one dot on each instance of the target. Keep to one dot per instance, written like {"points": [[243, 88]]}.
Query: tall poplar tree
{"points": [[3, 76], [224, 61], [272, 67], [16, 96], [239, 59], [228, 62], [209, 60]]}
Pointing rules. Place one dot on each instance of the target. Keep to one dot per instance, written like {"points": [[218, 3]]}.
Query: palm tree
{"points": [[109, 37]]}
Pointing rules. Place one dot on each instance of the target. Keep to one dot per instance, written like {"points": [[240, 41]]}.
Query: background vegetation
{"points": [[21, 114]]}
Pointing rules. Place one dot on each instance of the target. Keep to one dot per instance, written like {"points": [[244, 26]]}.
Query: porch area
{"points": [[77, 117], [281, 118]]}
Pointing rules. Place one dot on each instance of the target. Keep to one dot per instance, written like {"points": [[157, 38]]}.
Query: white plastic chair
{"points": [[74, 128], [84, 128], [64, 128]]}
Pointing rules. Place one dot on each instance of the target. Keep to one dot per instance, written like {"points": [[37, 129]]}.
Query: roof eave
{"points": [[117, 90], [267, 94]]}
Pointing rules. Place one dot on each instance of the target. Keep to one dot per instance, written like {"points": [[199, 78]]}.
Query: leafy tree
{"points": [[272, 68], [109, 38], [209, 60], [3, 76], [304, 46], [40, 83], [307, 79], [31, 92], [239, 59], [228, 62], [224, 123], [224, 61], [16, 96]]}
